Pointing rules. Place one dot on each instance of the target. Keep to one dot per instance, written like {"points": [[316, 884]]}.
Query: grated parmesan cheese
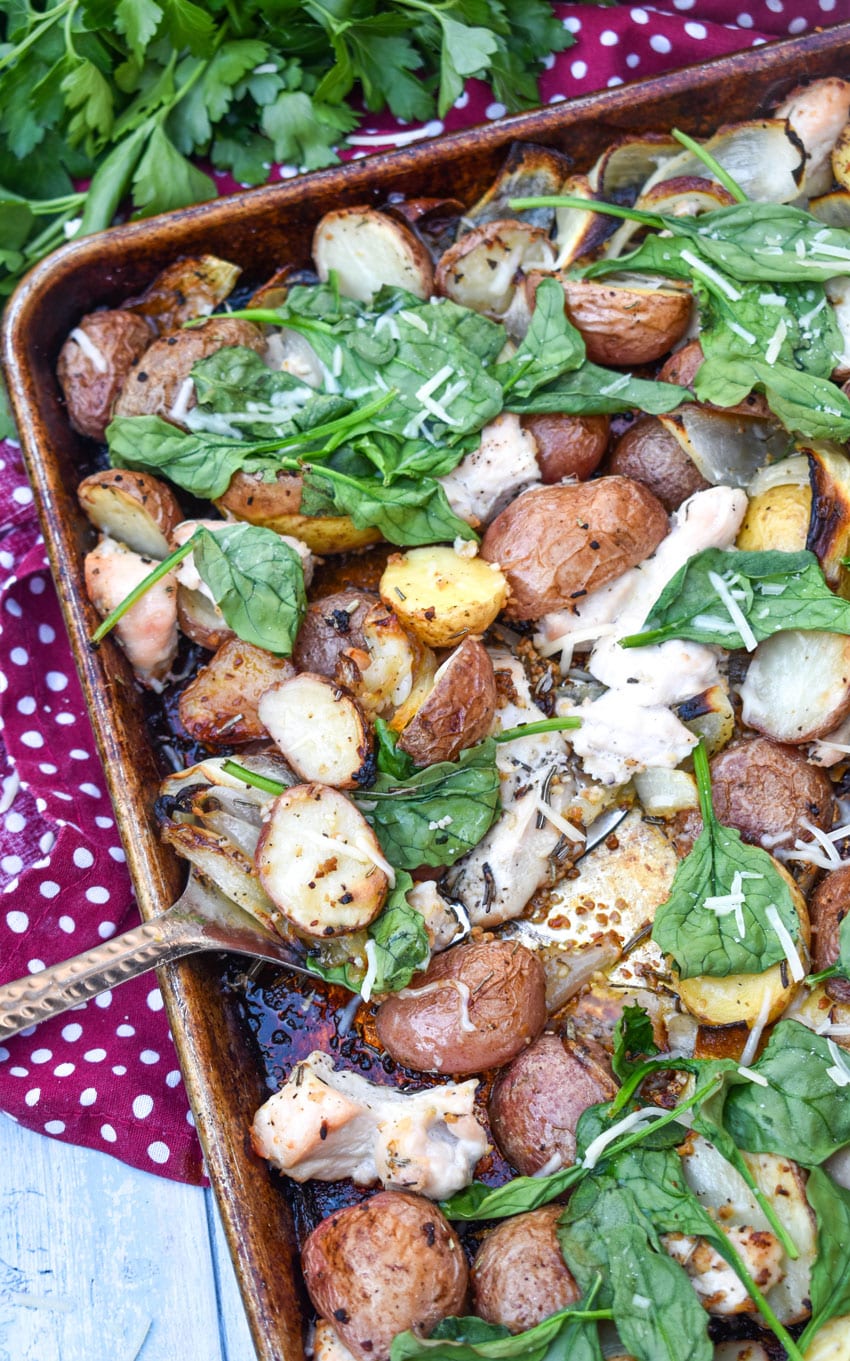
{"points": [[89, 349], [371, 970], [551, 1165], [560, 824], [413, 320], [795, 964], [637, 1120], [757, 1078], [839, 1073], [771, 300], [736, 614], [180, 408], [754, 1038], [700, 267], [774, 345], [747, 336]]}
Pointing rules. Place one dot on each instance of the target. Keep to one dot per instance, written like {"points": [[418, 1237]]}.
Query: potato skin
{"points": [[506, 1003], [651, 455], [682, 368], [555, 544], [519, 1276], [762, 788], [276, 505], [230, 684], [459, 710], [199, 620], [116, 499], [536, 1102], [152, 385], [626, 325], [828, 906], [331, 628], [389, 1264], [121, 337], [568, 446]]}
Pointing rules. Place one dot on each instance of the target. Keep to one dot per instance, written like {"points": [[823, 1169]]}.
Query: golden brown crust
{"points": [[536, 1102], [389, 1264], [219, 707], [90, 390], [519, 1276], [499, 1008], [185, 289], [651, 455], [556, 544], [459, 710]]}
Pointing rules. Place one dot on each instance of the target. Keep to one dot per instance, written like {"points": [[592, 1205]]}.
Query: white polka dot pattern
{"points": [[61, 870]]}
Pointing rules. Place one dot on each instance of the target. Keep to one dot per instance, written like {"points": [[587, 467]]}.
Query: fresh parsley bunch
{"points": [[128, 94]]}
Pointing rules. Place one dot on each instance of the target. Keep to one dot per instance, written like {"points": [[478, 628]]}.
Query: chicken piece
{"points": [[817, 113], [327, 1345], [719, 1289], [148, 631], [488, 478], [326, 1125], [619, 737], [495, 880], [445, 922]]}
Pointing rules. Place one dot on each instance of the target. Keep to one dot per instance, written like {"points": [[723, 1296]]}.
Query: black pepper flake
{"points": [[430, 1233], [323, 1130], [594, 543]]}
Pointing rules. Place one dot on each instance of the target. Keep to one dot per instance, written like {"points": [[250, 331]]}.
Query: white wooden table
{"points": [[99, 1262]]}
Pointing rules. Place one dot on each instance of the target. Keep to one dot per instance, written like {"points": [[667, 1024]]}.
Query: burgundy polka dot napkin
{"points": [[105, 1074]]}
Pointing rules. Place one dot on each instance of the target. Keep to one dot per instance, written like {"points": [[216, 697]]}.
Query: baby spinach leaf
{"points": [[568, 1333], [775, 592], [391, 761], [257, 581], [438, 814], [812, 407], [716, 921], [412, 511], [591, 390], [796, 317], [804, 1112], [829, 1289], [202, 464], [401, 946], [658, 1314], [258, 401], [633, 1041], [551, 346]]}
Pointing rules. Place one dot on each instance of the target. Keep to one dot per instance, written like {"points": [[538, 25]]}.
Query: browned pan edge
{"points": [[262, 229]]}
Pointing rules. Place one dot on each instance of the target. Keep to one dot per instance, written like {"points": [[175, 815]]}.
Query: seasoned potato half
{"points": [[332, 625], [748, 997], [93, 364], [475, 1007], [201, 620], [440, 595], [776, 701], [389, 1264], [367, 249], [160, 385], [626, 325], [481, 270], [276, 505], [568, 446], [777, 519], [554, 544], [652, 455], [321, 730], [519, 1276], [219, 707], [382, 674], [320, 863], [186, 289], [682, 368], [459, 710], [134, 508]]}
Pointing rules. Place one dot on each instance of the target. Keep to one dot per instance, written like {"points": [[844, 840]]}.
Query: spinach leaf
{"points": [[202, 464], [590, 391], [657, 1312], [804, 1112], [775, 592], [437, 814], [390, 760], [796, 317], [257, 581], [567, 1333], [632, 1038], [551, 346], [257, 401], [401, 946], [412, 511], [716, 920], [811, 406], [841, 968], [830, 1283]]}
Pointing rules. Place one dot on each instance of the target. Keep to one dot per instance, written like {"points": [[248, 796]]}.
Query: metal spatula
{"points": [[201, 919]]}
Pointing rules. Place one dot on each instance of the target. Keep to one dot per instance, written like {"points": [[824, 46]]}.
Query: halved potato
{"points": [[580, 233], [626, 325], [831, 1342], [94, 363], [320, 729], [441, 596], [382, 673], [777, 519], [219, 707], [829, 532], [276, 505], [833, 209], [710, 716], [332, 626], [367, 249], [682, 368], [627, 163], [798, 685], [160, 383], [435, 220], [748, 997], [421, 687], [320, 862], [459, 710], [482, 269], [134, 508], [201, 620], [184, 290]]}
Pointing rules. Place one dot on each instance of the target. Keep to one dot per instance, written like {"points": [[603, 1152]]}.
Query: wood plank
{"points": [[98, 1260], [235, 1334]]}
